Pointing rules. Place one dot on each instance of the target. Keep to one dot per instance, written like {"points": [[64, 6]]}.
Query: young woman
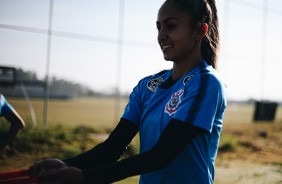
{"points": [[178, 113], [11, 115]]}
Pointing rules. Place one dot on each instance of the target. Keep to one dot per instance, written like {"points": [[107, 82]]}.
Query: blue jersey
{"points": [[5, 107], [197, 98]]}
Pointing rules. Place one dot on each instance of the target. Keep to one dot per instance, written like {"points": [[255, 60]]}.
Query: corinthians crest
{"points": [[172, 105]]}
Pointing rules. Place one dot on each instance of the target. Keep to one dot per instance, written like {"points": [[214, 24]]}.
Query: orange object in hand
{"points": [[17, 177]]}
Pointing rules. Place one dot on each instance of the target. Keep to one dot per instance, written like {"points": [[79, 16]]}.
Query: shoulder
{"points": [[210, 76], [152, 82], [5, 107], [3, 101], [156, 75], [205, 79]]}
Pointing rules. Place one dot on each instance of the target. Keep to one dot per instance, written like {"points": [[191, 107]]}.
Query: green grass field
{"points": [[239, 136], [102, 112]]}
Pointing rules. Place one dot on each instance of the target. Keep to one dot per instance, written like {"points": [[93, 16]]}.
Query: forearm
{"points": [[173, 140], [15, 119], [99, 155], [16, 124], [136, 165], [9, 136], [109, 151]]}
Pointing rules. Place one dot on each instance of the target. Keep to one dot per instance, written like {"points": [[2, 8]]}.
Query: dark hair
{"points": [[203, 11]]}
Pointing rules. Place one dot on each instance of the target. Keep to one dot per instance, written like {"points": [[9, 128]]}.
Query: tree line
{"points": [[58, 87]]}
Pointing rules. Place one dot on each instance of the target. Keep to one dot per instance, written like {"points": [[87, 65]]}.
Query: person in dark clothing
{"points": [[11, 115]]}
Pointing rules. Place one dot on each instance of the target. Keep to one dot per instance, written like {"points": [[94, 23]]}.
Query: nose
{"points": [[162, 35]]}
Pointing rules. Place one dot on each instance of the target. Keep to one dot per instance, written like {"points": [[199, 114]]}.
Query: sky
{"points": [[85, 49]]}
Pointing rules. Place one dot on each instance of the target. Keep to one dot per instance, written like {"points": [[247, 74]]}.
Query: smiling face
{"points": [[175, 34]]}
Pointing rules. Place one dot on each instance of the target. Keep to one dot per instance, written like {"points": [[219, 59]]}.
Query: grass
{"points": [[227, 144], [99, 113], [73, 124], [250, 141], [56, 141]]}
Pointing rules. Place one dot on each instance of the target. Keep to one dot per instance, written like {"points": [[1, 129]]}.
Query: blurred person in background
{"points": [[15, 120], [178, 113]]}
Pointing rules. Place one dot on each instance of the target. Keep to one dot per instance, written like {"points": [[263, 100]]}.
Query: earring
{"points": [[204, 28]]}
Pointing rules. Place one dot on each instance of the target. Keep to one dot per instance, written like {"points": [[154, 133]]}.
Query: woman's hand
{"points": [[40, 167], [65, 175]]}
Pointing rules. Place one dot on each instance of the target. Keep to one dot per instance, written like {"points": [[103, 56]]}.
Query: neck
{"points": [[181, 68], [186, 64]]}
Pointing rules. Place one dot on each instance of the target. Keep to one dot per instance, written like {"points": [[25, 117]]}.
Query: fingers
{"points": [[53, 171], [67, 175], [45, 165], [51, 175], [36, 168]]}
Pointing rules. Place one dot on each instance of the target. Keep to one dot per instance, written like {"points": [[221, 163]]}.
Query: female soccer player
{"points": [[178, 113]]}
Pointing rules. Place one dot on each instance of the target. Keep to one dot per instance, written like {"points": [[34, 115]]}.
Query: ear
{"points": [[201, 30]]}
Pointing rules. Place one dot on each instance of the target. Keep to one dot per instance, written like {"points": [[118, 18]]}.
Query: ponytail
{"points": [[210, 44]]}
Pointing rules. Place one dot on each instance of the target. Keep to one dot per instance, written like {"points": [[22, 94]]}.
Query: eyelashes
{"points": [[169, 27]]}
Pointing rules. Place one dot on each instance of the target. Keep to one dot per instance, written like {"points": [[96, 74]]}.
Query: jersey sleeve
{"points": [[202, 100], [5, 107], [141, 95], [133, 109]]}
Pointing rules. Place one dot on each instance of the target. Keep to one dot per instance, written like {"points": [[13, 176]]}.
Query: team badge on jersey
{"points": [[153, 84], [172, 105], [186, 79]]}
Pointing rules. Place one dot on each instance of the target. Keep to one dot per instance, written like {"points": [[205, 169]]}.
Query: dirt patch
{"points": [[238, 171], [255, 143], [256, 157]]}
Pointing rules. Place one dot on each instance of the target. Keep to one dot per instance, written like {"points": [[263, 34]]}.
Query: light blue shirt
{"points": [[5, 107], [197, 98]]}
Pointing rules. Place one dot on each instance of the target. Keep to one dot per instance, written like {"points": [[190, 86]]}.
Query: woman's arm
{"points": [[176, 136], [17, 124], [110, 150], [106, 152]]}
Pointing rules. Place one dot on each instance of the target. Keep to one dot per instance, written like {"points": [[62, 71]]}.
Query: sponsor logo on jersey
{"points": [[153, 84], [172, 105], [186, 79]]}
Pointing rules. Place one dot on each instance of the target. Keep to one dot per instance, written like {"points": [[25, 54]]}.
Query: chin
{"points": [[167, 58]]}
